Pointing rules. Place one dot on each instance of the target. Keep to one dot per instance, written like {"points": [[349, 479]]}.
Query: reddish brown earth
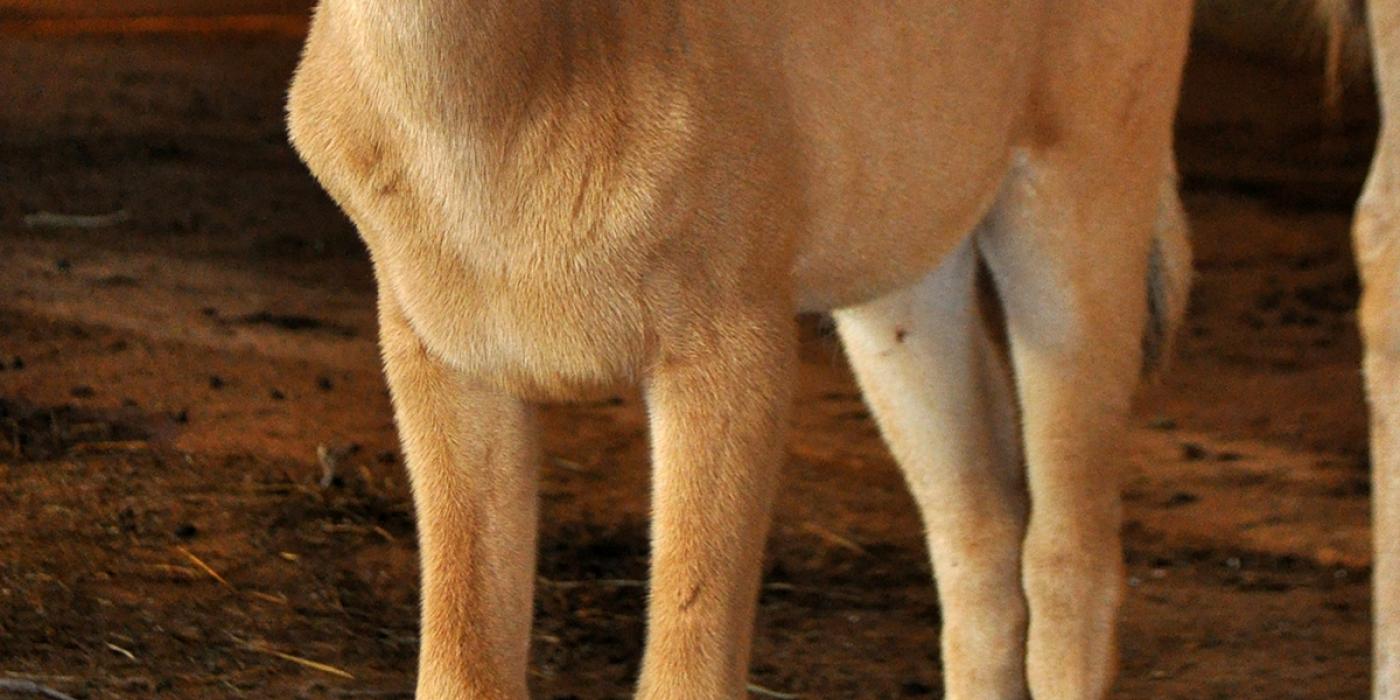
{"points": [[167, 381]]}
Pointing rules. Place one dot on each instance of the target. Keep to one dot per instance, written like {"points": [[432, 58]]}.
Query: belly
{"points": [[906, 116]]}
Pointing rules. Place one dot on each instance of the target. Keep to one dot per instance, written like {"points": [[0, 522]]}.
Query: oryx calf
{"points": [[562, 196]]}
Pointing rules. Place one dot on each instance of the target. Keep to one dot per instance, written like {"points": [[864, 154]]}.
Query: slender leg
{"points": [[943, 401], [934, 381], [1376, 238], [718, 414], [1068, 247], [1377, 242], [473, 462], [1380, 323]]}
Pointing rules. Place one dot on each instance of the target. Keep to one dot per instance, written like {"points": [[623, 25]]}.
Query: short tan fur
{"points": [[564, 196]]}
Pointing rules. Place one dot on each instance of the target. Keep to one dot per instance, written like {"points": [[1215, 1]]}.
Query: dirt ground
{"points": [[167, 380]]}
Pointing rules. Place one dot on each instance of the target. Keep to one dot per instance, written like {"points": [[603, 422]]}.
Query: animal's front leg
{"points": [[718, 412], [473, 460]]}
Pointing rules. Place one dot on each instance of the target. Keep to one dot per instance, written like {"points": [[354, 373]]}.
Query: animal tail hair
{"points": [[1168, 279]]}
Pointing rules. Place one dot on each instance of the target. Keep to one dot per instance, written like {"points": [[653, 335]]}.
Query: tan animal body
{"points": [[564, 196]]}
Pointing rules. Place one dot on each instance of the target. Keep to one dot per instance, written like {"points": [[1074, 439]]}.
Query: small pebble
{"points": [[1192, 452], [1181, 498]]}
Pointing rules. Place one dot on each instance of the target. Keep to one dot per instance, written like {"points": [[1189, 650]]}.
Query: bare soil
{"points": [[166, 382]]}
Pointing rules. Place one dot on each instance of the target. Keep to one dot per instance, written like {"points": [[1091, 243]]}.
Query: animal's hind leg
{"points": [[1068, 246], [942, 398]]}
